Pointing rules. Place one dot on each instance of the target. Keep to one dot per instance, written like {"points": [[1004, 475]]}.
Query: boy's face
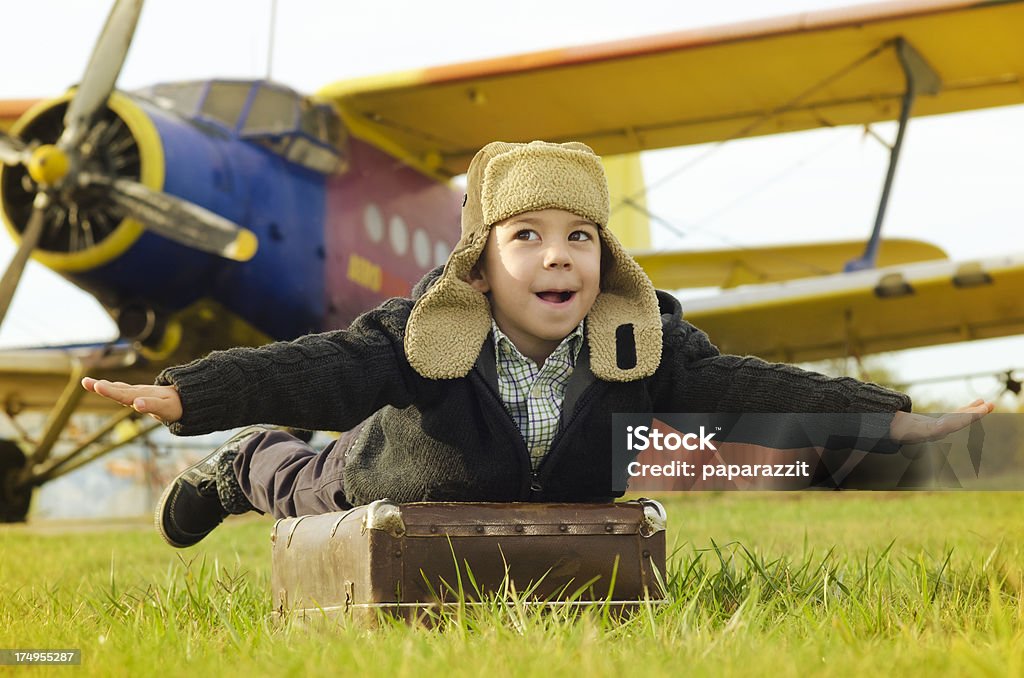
{"points": [[543, 272]]}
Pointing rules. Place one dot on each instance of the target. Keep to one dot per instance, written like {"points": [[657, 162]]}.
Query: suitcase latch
{"points": [[349, 594]]}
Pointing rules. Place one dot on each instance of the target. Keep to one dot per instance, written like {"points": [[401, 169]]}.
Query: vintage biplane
{"points": [[215, 213]]}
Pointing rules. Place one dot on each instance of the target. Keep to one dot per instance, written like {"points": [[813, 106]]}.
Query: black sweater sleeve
{"points": [[329, 381], [700, 379]]}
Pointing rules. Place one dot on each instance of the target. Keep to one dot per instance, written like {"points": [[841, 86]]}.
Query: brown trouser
{"points": [[285, 477]]}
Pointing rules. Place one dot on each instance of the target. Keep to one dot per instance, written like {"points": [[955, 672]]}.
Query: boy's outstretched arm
{"points": [[160, 402], [916, 428], [328, 381]]}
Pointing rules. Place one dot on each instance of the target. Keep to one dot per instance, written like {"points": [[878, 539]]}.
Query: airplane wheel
{"points": [[13, 503]]}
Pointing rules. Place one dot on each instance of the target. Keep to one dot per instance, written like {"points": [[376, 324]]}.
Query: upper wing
{"points": [[867, 312], [752, 265], [779, 75]]}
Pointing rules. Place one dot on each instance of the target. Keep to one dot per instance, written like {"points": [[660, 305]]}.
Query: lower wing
{"points": [[885, 309]]}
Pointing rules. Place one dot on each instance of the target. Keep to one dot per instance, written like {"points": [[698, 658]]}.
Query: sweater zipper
{"points": [[534, 485]]}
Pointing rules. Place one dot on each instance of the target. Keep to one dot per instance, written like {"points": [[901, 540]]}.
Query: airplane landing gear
{"points": [[14, 501]]}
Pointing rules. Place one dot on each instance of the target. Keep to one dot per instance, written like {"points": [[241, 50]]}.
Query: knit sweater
{"points": [[453, 439]]}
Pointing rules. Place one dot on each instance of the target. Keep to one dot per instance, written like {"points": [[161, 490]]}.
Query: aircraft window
{"points": [[421, 248], [276, 144], [273, 111], [312, 155], [399, 235], [441, 250], [183, 97], [320, 121], [374, 222], [332, 125], [225, 101]]}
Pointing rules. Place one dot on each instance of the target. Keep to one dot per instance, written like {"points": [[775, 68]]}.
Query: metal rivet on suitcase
{"points": [[609, 527], [519, 528], [646, 554], [433, 529], [563, 528], [480, 529]]}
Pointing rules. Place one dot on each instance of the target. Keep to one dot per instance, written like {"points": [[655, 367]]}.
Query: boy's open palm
{"points": [[916, 428], [160, 402]]}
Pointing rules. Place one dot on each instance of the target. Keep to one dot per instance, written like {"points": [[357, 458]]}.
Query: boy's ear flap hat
{"points": [[450, 322]]}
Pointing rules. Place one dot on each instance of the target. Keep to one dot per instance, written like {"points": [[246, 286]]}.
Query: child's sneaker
{"points": [[203, 495]]}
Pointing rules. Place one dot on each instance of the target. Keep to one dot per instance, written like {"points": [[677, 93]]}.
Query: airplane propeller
{"points": [[100, 74], [64, 172], [177, 219], [29, 239], [12, 150]]}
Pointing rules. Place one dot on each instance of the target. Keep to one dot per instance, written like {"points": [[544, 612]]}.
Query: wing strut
{"points": [[921, 78], [74, 460], [39, 467]]}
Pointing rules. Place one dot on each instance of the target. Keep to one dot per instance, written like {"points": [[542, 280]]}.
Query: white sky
{"points": [[956, 184]]}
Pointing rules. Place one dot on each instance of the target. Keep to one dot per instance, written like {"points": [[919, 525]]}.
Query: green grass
{"points": [[829, 583]]}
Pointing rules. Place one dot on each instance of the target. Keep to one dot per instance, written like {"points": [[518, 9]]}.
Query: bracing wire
{"points": [[760, 120]]}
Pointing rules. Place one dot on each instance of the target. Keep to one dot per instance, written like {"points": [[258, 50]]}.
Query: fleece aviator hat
{"points": [[450, 322]]}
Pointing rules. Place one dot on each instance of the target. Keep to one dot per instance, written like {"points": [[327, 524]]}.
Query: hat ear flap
{"points": [[450, 322], [624, 324]]}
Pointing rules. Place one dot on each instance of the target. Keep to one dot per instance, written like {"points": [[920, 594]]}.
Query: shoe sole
{"points": [[158, 515], [165, 496]]}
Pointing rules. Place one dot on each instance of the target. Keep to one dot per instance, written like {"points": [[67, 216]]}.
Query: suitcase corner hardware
{"points": [[384, 515], [654, 517]]}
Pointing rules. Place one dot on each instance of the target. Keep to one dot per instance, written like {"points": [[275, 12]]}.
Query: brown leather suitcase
{"points": [[412, 560]]}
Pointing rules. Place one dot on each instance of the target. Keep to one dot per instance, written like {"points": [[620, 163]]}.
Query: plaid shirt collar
{"points": [[504, 349], [533, 395]]}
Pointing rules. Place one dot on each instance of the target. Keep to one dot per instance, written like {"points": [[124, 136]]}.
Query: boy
{"points": [[495, 382]]}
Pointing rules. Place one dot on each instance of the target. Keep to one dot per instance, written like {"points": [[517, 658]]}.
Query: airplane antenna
{"points": [[270, 40]]}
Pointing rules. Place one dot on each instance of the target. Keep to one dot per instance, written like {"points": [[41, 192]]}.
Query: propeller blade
{"points": [[100, 75], [12, 150], [29, 240], [177, 219]]}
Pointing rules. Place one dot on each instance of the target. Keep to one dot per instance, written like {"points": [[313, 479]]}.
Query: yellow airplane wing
{"points": [[867, 312], [791, 73], [11, 110], [755, 265], [32, 379]]}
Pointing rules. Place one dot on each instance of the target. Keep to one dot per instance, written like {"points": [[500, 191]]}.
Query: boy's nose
{"points": [[557, 256]]}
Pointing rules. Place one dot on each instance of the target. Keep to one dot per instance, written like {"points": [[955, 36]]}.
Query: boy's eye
{"points": [[580, 235], [526, 234]]}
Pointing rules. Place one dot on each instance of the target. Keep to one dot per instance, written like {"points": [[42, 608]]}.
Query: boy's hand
{"points": [[916, 428], [160, 402]]}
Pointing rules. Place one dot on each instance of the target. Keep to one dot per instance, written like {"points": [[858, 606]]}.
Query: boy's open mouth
{"points": [[556, 297]]}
